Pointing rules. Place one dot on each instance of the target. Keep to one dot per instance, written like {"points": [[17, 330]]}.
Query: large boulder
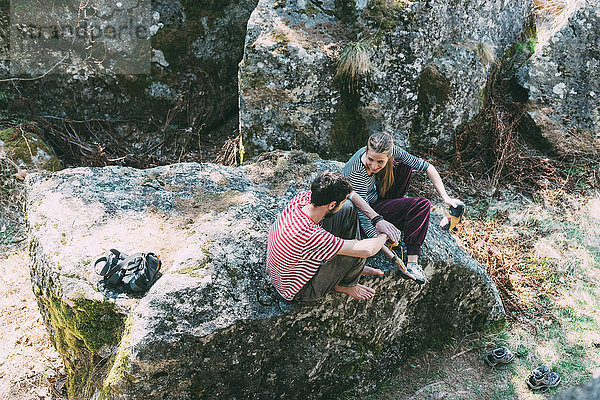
{"points": [[562, 78], [588, 391], [211, 326], [429, 65]]}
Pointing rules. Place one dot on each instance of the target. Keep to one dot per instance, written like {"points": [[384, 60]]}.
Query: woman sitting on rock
{"points": [[380, 173]]}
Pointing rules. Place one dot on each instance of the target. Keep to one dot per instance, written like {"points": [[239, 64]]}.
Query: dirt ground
{"points": [[457, 372], [452, 373], [30, 367]]}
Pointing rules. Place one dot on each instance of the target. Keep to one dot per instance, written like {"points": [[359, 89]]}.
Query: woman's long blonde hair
{"points": [[383, 143]]}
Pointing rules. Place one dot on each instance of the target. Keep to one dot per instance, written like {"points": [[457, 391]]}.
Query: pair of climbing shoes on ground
{"points": [[501, 355], [540, 378]]}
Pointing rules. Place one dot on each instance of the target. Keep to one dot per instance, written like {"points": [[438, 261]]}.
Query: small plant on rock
{"points": [[354, 64]]}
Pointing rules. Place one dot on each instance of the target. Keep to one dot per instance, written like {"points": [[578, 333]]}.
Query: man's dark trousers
{"points": [[340, 270]]}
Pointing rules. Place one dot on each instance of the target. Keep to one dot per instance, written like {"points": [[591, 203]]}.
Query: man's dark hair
{"points": [[329, 186]]}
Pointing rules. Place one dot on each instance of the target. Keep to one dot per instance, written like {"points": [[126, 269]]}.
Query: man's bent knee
{"points": [[348, 210]]}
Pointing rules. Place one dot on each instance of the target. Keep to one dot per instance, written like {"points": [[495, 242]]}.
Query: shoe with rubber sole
{"points": [[542, 378], [416, 271], [501, 355]]}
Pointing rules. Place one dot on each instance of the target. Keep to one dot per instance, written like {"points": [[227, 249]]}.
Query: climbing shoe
{"points": [[542, 378], [397, 248], [456, 216], [501, 355]]}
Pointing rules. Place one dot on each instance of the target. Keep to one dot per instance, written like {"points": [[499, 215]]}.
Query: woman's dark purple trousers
{"points": [[408, 214]]}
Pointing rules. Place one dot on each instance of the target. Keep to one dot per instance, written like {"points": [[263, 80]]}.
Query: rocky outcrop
{"points": [[563, 77], [587, 391], [185, 77], [211, 326], [430, 62]]}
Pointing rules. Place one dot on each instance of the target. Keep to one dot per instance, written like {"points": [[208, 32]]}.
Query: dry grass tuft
{"points": [[486, 53], [232, 152], [556, 7], [484, 50], [554, 15], [354, 64]]}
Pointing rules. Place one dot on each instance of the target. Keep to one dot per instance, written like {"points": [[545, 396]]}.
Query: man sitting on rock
{"points": [[314, 247]]}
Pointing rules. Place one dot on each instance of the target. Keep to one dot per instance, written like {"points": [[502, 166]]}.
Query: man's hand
{"points": [[389, 229]]}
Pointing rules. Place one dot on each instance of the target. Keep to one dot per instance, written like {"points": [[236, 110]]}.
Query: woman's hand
{"points": [[450, 202], [389, 229]]}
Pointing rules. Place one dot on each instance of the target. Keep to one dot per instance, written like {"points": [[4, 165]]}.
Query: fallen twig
{"points": [[460, 354]]}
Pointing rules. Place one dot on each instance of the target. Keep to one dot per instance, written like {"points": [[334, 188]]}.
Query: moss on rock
{"points": [[175, 41], [27, 149], [434, 91], [196, 270], [295, 166], [81, 328], [119, 371], [216, 201], [345, 11], [252, 132], [434, 88], [386, 14]]}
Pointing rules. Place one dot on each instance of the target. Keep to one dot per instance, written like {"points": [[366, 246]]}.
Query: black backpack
{"points": [[136, 272]]}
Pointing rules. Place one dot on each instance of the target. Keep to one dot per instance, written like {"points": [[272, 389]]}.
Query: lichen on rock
{"points": [[562, 78], [408, 38]]}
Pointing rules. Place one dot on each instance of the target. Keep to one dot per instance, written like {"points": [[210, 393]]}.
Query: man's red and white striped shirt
{"points": [[297, 247]]}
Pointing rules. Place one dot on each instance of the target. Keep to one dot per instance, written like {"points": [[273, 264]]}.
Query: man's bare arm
{"points": [[363, 248]]}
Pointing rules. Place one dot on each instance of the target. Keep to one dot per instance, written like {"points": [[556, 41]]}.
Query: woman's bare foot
{"points": [[359, 292], [371, 271]]}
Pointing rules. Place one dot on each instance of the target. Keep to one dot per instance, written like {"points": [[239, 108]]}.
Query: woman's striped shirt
{"points": [[364, 184], [297, 247]]}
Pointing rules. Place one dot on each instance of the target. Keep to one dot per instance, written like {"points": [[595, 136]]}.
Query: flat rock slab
{"points": [[211, 326]]}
